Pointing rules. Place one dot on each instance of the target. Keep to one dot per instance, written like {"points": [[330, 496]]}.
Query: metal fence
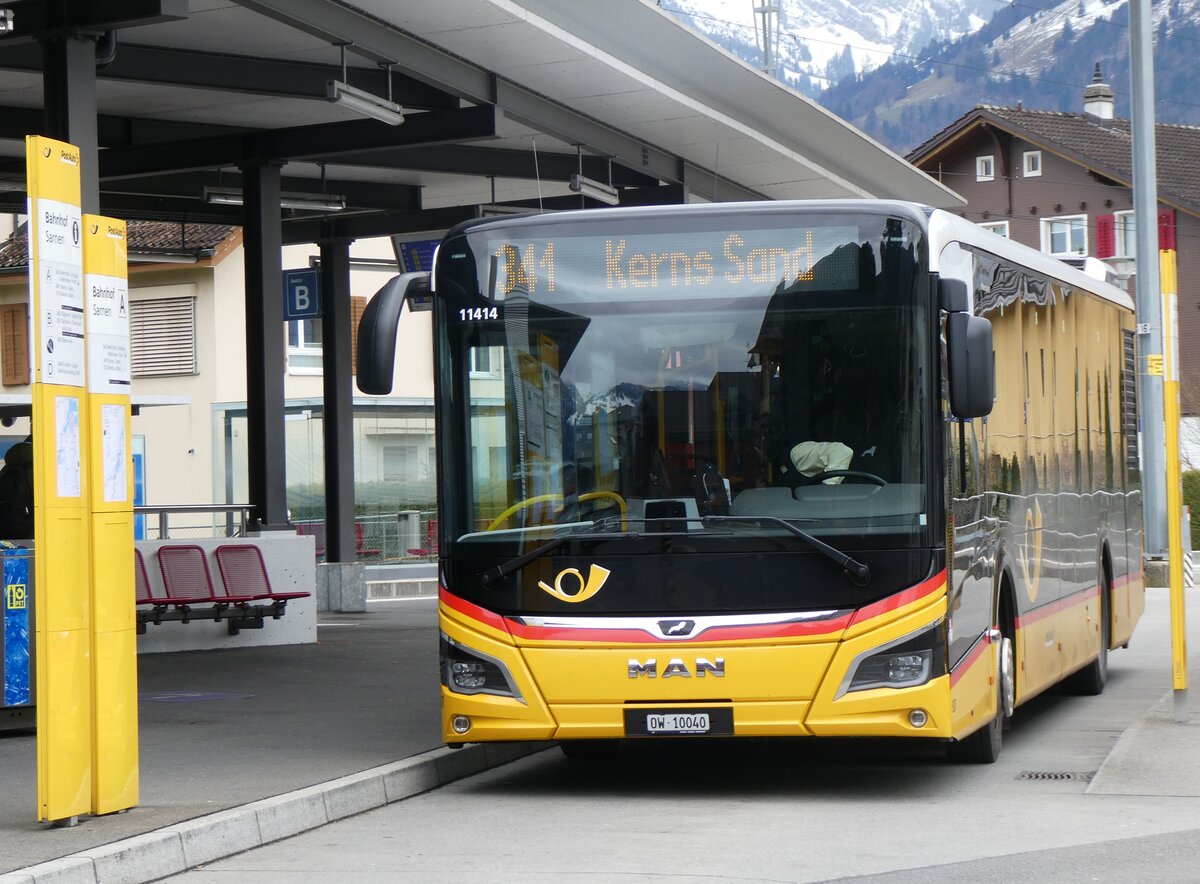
{"points": [[191, 520], [405, 536]]}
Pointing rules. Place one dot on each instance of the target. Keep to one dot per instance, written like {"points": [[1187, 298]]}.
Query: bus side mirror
{"points": [[971, 365], [376, 357]]}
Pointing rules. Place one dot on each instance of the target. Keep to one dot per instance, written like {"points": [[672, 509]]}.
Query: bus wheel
{"points": [[1090, 680], [983, 746], [588, 750]]}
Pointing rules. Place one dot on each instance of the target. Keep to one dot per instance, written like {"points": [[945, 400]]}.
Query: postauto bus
{"points": [[851, 468]]}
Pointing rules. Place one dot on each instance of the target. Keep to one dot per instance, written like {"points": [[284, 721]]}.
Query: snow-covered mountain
{"points": [[822, 41], [945, 59]]}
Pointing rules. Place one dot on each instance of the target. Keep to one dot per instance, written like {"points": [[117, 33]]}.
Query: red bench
{"points": [[189, 592], [242, 566], [317, 530], [431, 541]]}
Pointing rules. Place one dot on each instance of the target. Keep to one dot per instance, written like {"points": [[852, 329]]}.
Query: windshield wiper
{"points": [[857, 571], [494, 575]]}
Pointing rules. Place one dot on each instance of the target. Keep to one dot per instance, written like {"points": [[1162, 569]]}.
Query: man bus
{"points": [[757, 470]]}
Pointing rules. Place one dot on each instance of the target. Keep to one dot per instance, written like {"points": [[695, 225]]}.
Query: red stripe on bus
{"points": [[900, 599], [473, 611], [831, 626], [968, 661], [1075, 598]]}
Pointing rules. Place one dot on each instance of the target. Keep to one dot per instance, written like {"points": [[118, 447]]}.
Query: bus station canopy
{"points": [[503, 100]]}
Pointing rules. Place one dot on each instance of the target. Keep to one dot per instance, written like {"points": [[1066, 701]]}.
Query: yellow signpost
{"points": [[1171, 412], [86, 657], [110, 504], [63, 608]]}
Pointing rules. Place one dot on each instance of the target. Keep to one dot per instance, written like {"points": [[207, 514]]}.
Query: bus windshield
{"points": [[624, 377]]}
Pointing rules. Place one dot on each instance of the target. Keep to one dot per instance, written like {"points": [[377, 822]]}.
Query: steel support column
{"points": [[69, 96], [265, 366], [338, 428]]}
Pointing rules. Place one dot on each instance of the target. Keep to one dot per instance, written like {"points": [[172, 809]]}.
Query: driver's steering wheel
{"points": [[846, 474]]}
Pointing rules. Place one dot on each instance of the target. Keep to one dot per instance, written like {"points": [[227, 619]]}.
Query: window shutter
{"points": [[1106, 236], [1166, 229], [358, 303], [14, 344], [162, 337]]}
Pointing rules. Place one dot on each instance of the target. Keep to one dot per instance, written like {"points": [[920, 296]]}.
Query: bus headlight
{"points": [[467, 671], [904, 663]]}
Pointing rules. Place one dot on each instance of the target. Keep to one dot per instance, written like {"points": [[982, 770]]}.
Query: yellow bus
{"points": [[830, 468]]}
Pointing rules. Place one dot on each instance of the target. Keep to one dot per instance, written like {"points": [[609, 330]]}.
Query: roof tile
{"points": [[144, 236]]}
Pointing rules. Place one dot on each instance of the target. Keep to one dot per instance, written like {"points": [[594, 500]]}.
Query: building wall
{"points": [[187, 454]]}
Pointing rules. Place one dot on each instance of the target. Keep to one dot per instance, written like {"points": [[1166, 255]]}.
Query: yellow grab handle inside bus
{"points": [[557, 498]]}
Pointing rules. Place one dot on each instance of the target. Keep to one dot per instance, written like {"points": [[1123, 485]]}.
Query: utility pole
{"points": [[1158, 355], [1149, 294], [766, 29]]}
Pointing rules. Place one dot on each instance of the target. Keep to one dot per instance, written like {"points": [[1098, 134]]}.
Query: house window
{"points": [[985, 168], [162, 337], [1125, 238], [1000, 228], [1033, 163], [399, 461], [1065, 236], [304, 345], [485, 362]]}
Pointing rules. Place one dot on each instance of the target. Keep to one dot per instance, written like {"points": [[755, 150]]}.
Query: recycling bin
{"points": [[16, 638]]}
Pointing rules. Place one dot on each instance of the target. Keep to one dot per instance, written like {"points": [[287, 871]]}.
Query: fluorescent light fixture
{"points": [[224, 196], [596, 190], [365, 103], [316, 203], [12, 185]]}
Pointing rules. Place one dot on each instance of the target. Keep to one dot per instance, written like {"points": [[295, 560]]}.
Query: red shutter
{"points": [[358, 303], [1166, 229], [1106, 236]]}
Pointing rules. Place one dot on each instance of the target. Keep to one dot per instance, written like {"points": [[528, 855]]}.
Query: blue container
{"points": [[16, 639]]}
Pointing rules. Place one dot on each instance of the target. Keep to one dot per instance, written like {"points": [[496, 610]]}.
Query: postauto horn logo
{"points": [[585, 589]]}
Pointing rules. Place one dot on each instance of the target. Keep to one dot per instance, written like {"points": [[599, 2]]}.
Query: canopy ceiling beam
{"points": [[314, 142], [238, 73]]}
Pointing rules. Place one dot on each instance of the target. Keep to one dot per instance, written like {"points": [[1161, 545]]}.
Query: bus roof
{"points": [[944, 227]]}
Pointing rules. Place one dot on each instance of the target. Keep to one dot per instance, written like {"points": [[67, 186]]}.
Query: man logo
{"points": [[676, 668], [676, 627], [586, 589]]}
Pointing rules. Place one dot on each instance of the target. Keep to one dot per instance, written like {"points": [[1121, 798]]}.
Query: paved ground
{"points": [[354, 717], [1087, 789], [222, 728]]}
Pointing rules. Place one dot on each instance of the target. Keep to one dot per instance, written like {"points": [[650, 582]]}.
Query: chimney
{"points": [[1098, 97]]}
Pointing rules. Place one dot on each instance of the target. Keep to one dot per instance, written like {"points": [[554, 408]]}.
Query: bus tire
{"points": [[983, 746], [1091, 679]]}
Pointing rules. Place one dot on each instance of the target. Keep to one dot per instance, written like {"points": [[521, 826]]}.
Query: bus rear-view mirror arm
{"points": [[377, 330], [969, 358]]}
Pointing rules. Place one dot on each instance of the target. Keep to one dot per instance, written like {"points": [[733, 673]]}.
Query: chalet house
{"points": [[1062, 183]]}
